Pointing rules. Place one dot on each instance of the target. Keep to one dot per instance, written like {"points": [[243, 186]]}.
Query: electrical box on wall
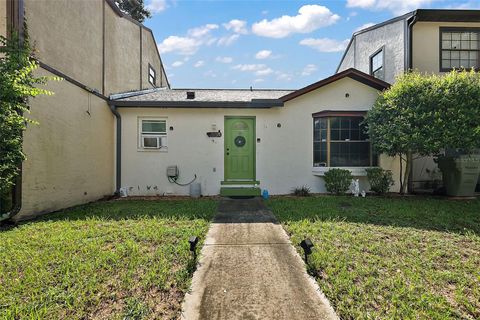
{"points": [[172, 171]]}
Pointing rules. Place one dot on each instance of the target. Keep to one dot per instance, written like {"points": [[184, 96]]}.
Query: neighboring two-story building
{"points": [[98, 51], [427, 40]]}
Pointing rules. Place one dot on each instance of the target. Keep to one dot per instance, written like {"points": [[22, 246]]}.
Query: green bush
{"points": [[380, 180], [338, 180], [303, 191]]}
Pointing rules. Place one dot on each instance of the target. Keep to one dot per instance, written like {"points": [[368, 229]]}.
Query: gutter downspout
{"points": [[118, 154], [409, 67]]}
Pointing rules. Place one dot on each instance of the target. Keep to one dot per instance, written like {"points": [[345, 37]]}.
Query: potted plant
{"points": [[460, 171]]}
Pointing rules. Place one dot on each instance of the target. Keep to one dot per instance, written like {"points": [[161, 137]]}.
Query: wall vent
{"points": [[190, 95]]}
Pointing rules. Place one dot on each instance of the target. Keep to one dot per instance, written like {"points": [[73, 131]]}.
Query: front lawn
{"points": [[391, 258], [107, 260]]}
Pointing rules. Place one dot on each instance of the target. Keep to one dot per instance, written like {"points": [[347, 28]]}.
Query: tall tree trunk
{"points": [[406, 174], [401, 173]]}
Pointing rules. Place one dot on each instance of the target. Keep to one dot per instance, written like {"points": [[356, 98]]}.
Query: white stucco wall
{"points": [[284, 155]]}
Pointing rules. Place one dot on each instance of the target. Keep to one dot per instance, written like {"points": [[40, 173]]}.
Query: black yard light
{"points": [[307, 246], [193, 240]]}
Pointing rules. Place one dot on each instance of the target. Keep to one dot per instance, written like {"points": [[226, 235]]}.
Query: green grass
{"points": [[107, 260], [391, 258]]}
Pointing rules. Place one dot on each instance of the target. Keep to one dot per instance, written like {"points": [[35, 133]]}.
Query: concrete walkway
{"points": [[249, 270]]}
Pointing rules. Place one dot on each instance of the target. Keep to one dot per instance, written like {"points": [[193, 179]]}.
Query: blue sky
{"points": [[264, 44]]}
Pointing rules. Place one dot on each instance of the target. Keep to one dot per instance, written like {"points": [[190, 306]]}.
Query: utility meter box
{"points": [[172, 171]]}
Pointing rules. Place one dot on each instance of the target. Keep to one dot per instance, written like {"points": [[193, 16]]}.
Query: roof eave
{"points": [[254, 104], [350, 73]]}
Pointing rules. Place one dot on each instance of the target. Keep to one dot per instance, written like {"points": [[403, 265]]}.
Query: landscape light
{"points": [[307, 246], [193, 240]]}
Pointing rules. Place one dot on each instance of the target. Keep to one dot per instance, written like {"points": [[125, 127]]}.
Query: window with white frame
{"points": [[152, 134], [152, 76]]}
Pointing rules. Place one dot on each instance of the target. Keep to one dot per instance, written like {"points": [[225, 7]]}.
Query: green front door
{"points": [[239, 148]]}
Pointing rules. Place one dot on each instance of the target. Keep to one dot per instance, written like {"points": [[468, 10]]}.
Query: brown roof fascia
{"points": [[351, 73]]}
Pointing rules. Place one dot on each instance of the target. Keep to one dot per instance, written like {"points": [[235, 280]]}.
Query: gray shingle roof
{"points": [[206, 95]]}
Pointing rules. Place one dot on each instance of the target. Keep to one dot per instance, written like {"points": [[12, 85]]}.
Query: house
{"points": [[427, 40], [237, 142], [98, 51], [115, 125]]}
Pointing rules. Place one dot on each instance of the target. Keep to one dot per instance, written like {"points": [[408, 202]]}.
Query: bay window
{"points": [[340, 140]]}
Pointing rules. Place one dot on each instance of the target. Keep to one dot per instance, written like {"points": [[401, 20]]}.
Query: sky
{"points": [[284, 44]]}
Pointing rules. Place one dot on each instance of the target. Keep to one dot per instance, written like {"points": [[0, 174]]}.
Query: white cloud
{"points": [[284, 76], [263, 54], [264, 72], [224, 59], [364, 26], [156, 6], [396, 6], [228, 40], [180, 45], [258, 80], [325, 44], [199, 63], [190, 44], [257, 69], [177, 64], [210, 74], [309, 69], [202, 31], [237, 26], [309, 18], [249, 67]]}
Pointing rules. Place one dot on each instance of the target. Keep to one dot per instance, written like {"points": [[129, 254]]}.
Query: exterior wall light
{"points": [[307, 246]]}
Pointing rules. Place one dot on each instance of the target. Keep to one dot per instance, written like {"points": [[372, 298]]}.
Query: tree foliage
{"points": [[17, 85], [425, 114], [134, 8]]}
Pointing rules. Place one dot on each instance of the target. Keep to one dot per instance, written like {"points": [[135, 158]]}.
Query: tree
{"points": [[421, 115], [17, 85], [134, 8]]}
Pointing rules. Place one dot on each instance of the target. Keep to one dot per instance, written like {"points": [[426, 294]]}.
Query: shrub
{"points": [[338, 180], [380, 180], [303, 191]]}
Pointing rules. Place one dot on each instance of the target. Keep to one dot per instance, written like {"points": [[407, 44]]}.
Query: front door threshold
{"points": [[240, 182], [240, 191]]}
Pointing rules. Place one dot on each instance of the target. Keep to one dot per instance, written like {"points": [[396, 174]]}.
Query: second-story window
{"points": [[152, 76], [459, 48], [376, 64]]}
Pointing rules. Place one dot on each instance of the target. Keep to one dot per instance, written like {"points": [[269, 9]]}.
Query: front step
{"points": [[240, 191]]}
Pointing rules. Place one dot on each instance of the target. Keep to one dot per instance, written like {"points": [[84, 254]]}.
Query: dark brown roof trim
{"points": [[448, 15], [337, 113], [114, 7], [71, 80], [350, 73], [254, 104]]}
